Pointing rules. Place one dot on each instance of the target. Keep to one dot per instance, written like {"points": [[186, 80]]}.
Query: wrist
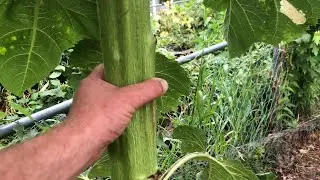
{"points": [[88, 131]]}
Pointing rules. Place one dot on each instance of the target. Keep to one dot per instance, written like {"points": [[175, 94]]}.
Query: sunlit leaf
{"points": [[204, 174], [55, 83], [270, 21], [267, 176], [316, 37], [55, 74], [311, 9], [86, 54], [2, 115], [192, 139], [34, 34], [244, 23], [229, 170], [102, 168], [60, 68], [278, 26], [178, 80], [20, 109], [216, 169]]}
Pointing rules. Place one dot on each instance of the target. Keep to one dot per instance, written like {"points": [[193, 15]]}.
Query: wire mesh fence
{"points": [[157, 5]]}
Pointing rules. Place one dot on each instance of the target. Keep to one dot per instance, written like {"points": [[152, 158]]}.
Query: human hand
{"points": [[105, 109]]}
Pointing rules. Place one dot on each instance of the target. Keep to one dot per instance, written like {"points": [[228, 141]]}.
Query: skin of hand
{"points": [[99, 115]]}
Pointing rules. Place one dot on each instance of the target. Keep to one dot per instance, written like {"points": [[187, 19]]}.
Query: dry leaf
{"points": [[298, 17]]}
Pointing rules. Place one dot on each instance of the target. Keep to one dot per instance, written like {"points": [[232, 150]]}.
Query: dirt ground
{"points": [[298, 153], [302, 161]]}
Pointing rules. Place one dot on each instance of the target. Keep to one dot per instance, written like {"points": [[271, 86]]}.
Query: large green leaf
{"points": [[178, 80], [216, 169], [229, 170], [311, 8], [278, 26], [204, 174], [102, 168], [244, 24], [268, 21], [192, 139], [2, 115], [33, 35], [87, 54]]}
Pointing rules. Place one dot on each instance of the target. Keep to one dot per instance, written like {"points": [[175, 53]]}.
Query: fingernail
{"points": [[163, 83]]}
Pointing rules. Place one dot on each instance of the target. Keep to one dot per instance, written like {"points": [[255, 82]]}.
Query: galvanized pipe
{"points": [[211, 49], [36, 117]]}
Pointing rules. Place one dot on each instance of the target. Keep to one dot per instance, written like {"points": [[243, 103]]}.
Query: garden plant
{"points": [[35, 33]]}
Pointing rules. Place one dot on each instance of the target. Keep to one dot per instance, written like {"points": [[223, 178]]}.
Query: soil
{"points": [[297, 152]]}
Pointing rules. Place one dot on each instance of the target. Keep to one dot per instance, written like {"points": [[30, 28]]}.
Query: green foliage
{"points": [[176, 26], [218, 169], [46, 93], [181, 27], [303, 70], [2, 115], [233, 102], [229, 170], [86, 54], [269, 21], [20, 109], [192, 139], [192, 142], [177, 79], [43, 95], [212, 32], [102, 168], [58, 71], [232, 98], [316, 38], [35, 33]]}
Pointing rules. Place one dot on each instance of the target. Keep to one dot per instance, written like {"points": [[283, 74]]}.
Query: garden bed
{"points": [[297, 152]]}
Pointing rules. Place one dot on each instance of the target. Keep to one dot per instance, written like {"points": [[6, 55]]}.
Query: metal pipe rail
{"points": [[63, 107], [211, 49], [36, 117]]}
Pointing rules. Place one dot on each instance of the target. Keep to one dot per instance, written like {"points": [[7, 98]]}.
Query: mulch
{"points": [[297, 152]]}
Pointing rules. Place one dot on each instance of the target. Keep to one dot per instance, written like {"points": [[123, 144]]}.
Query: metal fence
{"points": [[156, 6]]}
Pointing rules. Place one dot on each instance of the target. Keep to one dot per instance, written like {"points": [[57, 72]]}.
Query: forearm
{"points": [[62, 153], [99, 115]]}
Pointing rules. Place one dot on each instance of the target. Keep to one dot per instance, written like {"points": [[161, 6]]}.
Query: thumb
{"points": [[142, 93], [98, 72]]}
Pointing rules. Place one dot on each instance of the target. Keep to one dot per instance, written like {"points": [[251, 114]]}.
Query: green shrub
{"points": [[182, 27], [303, 70]]}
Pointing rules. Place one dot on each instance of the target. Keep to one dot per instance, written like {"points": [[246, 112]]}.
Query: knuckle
{"points": [[84, 82], [114, 133]]}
